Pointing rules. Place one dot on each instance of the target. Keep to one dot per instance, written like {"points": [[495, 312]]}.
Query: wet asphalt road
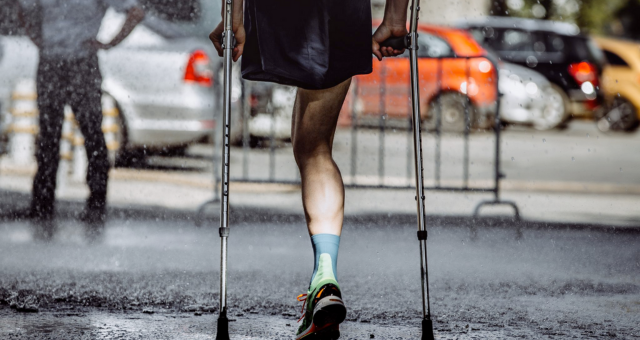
{"points": [[551, 281]]}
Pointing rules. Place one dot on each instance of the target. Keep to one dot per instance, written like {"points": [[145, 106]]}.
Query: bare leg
{"points": [[315, 115]]}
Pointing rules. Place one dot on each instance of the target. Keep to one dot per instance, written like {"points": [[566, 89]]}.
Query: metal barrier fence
{"points": [[358, 118]]}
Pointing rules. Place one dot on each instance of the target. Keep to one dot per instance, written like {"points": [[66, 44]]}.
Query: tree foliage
{"points": [[594, 16]]}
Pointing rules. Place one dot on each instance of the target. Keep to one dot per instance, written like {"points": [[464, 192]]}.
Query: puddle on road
{"points": [[97, 326], [104, 325]]}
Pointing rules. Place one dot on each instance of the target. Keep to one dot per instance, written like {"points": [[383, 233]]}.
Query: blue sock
{"points": [[325, 244]]}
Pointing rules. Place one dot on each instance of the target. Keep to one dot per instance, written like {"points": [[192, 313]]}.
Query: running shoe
{"points": [[325, 309]]}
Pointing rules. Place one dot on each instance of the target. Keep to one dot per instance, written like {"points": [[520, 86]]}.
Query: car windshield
{"points": [[595, 52], [516, 45], [431, 46]]}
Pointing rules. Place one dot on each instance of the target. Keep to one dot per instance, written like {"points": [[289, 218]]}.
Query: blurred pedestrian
{"points": [[65, 32], [317, 46]]}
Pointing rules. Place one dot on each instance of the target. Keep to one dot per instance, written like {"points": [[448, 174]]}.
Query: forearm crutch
{"points": [[411, 42], [228, 43]]}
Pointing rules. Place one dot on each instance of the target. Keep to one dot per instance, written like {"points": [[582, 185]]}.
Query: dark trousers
{"points": [[77, 83]]}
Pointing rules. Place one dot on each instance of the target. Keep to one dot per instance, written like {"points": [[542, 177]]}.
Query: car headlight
{"points": [[512, 85], [531, 88]]}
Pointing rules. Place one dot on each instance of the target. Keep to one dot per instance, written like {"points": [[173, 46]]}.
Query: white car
{"points": [[529, 98], [275, 117], [164, 77]]}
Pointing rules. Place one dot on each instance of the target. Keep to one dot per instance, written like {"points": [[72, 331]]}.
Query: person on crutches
{"points": [[316, 46]]}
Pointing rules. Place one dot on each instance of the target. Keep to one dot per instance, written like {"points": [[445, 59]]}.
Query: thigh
{"points": [[86, 97], [315, 114], [51, 89]]}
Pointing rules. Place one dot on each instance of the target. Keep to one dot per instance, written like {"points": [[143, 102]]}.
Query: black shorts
{"points": [[312, 44]]}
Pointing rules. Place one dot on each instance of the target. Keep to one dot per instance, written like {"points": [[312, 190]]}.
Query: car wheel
{"points": [[255, 142], [115, 132], [449, 108], [622, 116], [122, 156], [555, 111], [131, 158]]}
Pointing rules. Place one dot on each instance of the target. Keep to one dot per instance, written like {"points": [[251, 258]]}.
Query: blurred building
{"points": [[442, 12]]}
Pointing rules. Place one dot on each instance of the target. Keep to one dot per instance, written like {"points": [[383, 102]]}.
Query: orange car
{"points": [[453, 72]]}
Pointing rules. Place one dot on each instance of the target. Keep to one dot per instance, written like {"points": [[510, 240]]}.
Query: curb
{"points": [[154, 176], [205, 182]]}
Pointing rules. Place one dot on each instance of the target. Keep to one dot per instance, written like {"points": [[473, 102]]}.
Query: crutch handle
{"points": [[231, 42], [398, 43]]}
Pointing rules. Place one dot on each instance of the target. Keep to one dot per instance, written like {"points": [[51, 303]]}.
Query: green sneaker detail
{"points": [[324, 274], [324, 292]]}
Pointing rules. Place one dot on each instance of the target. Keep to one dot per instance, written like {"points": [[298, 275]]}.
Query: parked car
{"points": [[621, 84], [271, 111], [163, 77], [528, 98], [569, 60], [454, 72]]}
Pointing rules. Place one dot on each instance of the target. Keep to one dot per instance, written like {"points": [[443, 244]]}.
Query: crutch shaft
{"points": [[228, 45], [224, 206], [417, 139], [411, 42], [417, 147]]}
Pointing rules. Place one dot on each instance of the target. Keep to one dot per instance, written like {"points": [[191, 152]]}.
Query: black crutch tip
{"points": [[223, 327], [427, 329]]}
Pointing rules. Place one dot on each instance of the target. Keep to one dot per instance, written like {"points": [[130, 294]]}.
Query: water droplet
{"points": [[544, 140], [589, 150], [587, 135], [572, 159], [620, 169], [512, 158]]}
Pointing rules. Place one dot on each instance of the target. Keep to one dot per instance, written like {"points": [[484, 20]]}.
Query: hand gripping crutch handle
{"points": [[398, 43]]}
